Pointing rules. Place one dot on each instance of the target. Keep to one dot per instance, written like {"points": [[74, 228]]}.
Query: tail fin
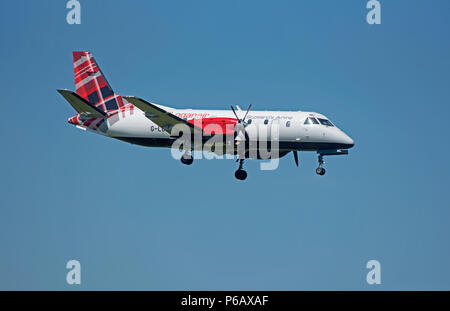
{"points": [[91, 84]]}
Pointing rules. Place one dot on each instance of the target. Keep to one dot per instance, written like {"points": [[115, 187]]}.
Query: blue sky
{"points": [[137, 219]]}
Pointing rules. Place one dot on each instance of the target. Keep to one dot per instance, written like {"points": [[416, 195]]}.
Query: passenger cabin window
{"points": [[288, 123], [326, 122], [266, 121], [249, 121]]}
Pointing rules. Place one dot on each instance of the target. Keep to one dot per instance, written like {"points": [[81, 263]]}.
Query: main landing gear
{"points": [[187, 158], [320, 170], [240, 173]]}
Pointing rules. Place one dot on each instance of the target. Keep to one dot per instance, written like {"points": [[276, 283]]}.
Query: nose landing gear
{"points": [[240, 173], [320, 170]]}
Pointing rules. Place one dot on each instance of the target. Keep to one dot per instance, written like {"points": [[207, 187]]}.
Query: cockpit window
{"points": [[311, 120], [326, 122]]}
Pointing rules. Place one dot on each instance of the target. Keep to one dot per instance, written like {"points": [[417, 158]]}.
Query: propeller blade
{"points": [[295, 157], [234, 112], [250, 106]]}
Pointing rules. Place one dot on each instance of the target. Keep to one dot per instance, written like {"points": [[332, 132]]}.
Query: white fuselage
{"points": [[293, 134]]}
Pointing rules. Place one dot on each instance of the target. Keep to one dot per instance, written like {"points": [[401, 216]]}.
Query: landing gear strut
{"points": [[187, 158], [240, 173], [320, 170]]}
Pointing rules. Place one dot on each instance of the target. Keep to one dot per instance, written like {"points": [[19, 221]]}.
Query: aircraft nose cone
{"points": [[343, 141], [348, 141]]}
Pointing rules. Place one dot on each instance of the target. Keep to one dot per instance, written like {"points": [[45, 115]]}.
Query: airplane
{"points": [[137, 121]]}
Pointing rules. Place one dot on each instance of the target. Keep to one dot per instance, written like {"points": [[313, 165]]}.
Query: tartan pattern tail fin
{"points": [[91, 84]]}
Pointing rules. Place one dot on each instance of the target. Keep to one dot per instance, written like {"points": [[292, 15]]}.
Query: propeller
{"points": [[246, 113], [241, 124], [295, 156]]}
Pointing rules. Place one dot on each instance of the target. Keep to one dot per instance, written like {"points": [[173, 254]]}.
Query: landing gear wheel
{"points": [[320, 171], [240, 174], [187, 159]]}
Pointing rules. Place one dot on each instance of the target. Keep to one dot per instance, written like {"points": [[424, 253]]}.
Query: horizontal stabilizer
{"points": [[81, 105]]}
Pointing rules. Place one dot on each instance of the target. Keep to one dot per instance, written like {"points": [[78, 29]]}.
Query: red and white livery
{"points": [[138, 121]]}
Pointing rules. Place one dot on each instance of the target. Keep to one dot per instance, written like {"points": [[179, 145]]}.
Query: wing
{"points": [[161, 117], [81, 105]]}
